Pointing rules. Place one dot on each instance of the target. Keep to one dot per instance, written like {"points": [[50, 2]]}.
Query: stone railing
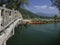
{"points": [[7, 16]]}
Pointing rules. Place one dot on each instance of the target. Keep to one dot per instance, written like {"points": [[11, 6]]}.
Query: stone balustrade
{"points": [[8, 15]]}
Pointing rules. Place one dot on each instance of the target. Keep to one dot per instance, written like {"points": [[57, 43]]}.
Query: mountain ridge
{"points": [[45, 14]]}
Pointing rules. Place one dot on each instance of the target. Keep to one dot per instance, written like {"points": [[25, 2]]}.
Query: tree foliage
{"points": [[56, 3], [16, 4], [55, 17]]}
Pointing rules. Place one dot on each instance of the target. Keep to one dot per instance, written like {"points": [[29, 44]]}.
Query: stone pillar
{"points": [[4, 17], [13, 31], [5, 43], [12, 14], [4, 5], [7, 17], [0, 21]]}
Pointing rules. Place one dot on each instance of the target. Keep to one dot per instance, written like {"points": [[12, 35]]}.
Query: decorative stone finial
{"points": [[4, 5]]}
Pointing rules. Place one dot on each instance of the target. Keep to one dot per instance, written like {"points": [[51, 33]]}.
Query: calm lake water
{"points": [[42, 34]]}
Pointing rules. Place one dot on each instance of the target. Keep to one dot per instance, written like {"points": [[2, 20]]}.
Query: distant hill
{"points": [[28, 14], [45, 14]]}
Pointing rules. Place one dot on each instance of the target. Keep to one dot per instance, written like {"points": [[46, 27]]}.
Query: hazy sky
{"points": [[41, 6]]}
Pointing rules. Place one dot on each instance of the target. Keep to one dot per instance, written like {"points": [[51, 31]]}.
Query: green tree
{"points": [[55, 17], [16, 4], [56, 3], [1, 2]]}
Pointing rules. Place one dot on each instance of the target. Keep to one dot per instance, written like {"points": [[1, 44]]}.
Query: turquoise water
{"points": [[42, 34]]}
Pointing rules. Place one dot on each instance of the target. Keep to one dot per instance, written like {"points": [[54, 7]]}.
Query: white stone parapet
{"points": [[8, 21]]}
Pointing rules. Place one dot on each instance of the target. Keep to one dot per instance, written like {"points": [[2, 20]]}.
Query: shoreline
{"points": [[48, 22], [39, 22]]}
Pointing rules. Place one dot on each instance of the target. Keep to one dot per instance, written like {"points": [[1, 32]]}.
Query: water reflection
{"points": [[56, 40], [45, 34]]}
